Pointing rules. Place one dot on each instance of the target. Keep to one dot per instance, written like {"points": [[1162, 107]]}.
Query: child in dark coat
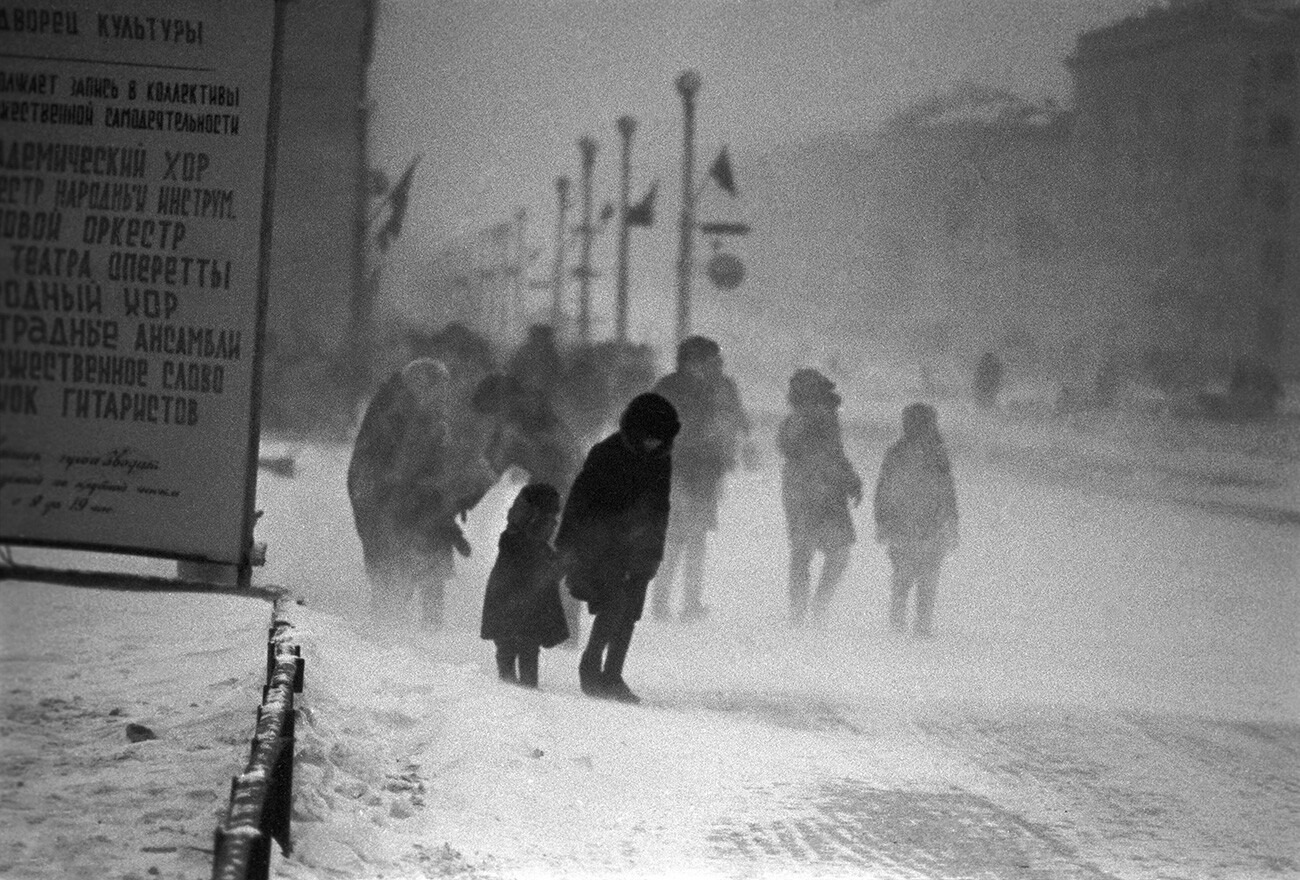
{"points": [[521, 608]]}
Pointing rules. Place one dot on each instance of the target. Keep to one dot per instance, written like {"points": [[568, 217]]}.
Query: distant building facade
{"points": [[977, 221], [1155, 223], [319, 195], [1186, 159]]}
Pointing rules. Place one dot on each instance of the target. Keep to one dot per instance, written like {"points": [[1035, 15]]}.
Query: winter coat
{"points": [[915, 501], [615, 519], [522, 600], [818, 483], [541, 441], [374, 451], [713, 424], [410, 473]]}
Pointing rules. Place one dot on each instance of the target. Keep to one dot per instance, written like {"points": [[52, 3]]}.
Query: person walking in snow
{"points": [[551, 450], [714, 424], [916, 515], [401, 502], [521, 606], [424, 456], [818, 485], [611, 535]]}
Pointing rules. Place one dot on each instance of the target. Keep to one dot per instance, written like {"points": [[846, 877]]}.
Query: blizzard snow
{"points": [[1115, 692]]}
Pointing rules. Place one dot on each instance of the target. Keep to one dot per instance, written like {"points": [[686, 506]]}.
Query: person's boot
{"points": [[898, 607], [589, 678], [694, 611], [529, 662], [506, 666], [615, 688], [923, 628]]}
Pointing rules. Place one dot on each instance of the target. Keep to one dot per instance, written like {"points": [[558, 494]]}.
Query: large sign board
{"points": [[134, 145]]}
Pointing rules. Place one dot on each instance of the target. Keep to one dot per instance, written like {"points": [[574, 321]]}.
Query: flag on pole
{"points": [[643, 212], [397, 198], [720, 171]]}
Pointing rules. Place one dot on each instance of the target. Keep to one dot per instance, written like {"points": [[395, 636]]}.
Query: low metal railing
{"points": [[261, 798]]}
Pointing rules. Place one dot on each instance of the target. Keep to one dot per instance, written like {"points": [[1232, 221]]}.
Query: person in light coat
{"points": [[819, 487], [916, 516], [714, 428]]}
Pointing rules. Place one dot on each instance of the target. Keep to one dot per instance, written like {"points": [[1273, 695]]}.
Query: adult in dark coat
{"points": [[521, 606], [714, 424], [818, 484], [916, 515], [612, 535]]}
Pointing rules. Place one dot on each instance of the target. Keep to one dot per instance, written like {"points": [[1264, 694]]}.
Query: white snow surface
{"points": [[1114, 692]]}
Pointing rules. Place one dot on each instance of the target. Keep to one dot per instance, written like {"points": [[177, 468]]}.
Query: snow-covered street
{"points": [[1114, 692]]}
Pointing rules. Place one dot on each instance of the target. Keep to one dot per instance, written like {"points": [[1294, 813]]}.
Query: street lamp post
{"points": [[587, 146], [517, 270], [626, 128], [688, 83], [557, 276]]}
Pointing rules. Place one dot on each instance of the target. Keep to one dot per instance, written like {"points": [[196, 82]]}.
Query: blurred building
{"points": [[977, 220], [317, 272], [1187, 161], [1155, 221], [488, 280]]}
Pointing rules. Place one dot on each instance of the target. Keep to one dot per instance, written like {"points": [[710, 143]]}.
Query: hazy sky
{"points": [[495, 93]]}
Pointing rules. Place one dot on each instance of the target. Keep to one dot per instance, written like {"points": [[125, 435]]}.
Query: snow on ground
{"points": [[1114, 693]]}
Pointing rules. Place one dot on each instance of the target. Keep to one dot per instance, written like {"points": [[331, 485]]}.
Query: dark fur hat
{"points": [[809, 387], [694, 349], [920, 419], [542, 496], [650, 415]]}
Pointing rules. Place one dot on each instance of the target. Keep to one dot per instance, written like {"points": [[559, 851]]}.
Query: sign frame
{"points": [[246, 449]]}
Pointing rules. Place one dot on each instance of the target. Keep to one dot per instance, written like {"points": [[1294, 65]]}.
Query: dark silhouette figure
{"points": [[612, 535], [521, 606]]}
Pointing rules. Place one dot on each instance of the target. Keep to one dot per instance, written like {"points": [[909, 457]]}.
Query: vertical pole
{"points": [[518, 270], [482, 308], [244, 570], [688, 83], [587, 146], [501, 235], [626, 128], [361, 305], [561, 236]]}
